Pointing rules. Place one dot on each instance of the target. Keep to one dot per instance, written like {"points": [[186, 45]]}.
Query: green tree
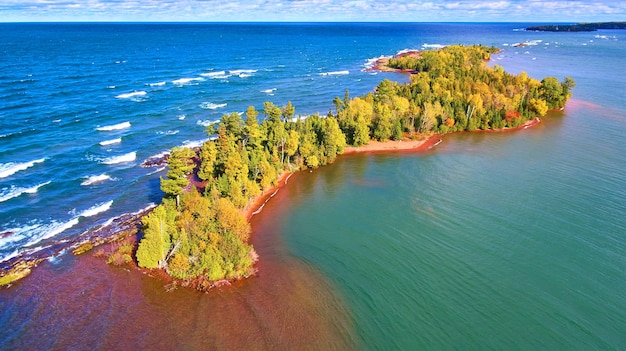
{"points": [[155, 244], [208, 158], [180, 164]]}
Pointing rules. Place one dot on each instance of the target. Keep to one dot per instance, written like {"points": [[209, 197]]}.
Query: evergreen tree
{"points": [[155, 244]]}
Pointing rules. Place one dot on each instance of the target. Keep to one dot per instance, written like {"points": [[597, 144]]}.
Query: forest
{"points": [[200, 231]]}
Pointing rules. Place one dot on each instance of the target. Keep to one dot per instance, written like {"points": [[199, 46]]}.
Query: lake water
{"points": [[488, 241]]}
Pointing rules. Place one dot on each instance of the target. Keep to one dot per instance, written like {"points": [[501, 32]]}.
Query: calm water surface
{"points": [[488, 241]]}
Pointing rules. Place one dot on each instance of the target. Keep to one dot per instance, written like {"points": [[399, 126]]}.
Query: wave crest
{"points": [[8, 169], [112, 127], [129, 157], [13, 191], [96, 179], [211, 106], [335, 73]]}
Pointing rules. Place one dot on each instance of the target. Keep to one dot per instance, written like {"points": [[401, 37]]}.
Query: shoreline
{"points": [[125, 226], [395, 145], [255, 205]]}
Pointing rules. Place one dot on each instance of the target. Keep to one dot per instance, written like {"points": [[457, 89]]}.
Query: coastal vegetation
{"points": [[199, 234]]}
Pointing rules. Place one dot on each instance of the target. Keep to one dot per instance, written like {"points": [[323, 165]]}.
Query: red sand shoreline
{"points": [[395, 146], [256, 203]]}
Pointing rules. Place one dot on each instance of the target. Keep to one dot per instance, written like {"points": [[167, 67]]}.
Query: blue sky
{"points": [[314, 10]]}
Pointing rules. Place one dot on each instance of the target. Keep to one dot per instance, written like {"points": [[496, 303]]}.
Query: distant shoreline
{"points": [[580, 27]]}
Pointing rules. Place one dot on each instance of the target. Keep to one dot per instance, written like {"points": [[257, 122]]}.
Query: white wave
{"points": [[405, 51], [158, 156], [211, 106], [371, 62], [56, 121], [13, 254], [268, 91], [240, 71], [194, 143], [206, 122], [129, 157], [14, 191], [8, 169], [181, 117], [94, 210], [335, 73], [111, 87], [216, 75], [433, 46], [157, 84], [42, 232], [111, 142], [158, 170], [186, 81], [134, 94], [96, 179], [168, 132], [118, 126]]}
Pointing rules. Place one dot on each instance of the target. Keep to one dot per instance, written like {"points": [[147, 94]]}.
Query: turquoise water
{"points": [[513, 241], [491, 241]]}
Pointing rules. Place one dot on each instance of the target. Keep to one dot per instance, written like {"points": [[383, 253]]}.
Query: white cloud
{"points": [[313, 10]]}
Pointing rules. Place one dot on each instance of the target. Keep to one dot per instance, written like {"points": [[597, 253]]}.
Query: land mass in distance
{"points": [[580, 27]]}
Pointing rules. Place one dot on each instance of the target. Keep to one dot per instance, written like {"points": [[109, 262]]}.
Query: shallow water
{"points": [[488, 241]]}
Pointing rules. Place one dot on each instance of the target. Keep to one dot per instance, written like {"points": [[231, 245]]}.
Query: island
{"points": [[198, 236], [580, 27]]}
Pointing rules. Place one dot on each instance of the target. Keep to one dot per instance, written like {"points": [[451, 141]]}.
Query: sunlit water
{"points": [[488, 241]]}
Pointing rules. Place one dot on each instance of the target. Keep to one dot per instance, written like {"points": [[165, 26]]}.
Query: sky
{"points": [[570, 11]]}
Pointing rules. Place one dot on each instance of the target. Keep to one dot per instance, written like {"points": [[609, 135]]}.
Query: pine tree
{"points": [[156, 241]]}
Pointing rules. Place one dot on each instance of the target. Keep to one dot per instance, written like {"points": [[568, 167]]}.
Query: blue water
{"points": [[84, 104], [502, 241]]}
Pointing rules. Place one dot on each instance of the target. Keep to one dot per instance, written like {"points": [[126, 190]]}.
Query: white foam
{"points": [[158, 156], [8, 169], [211, 106], [129, 157], [95, 179], [168, 132], [157, 84], [13, 254], [206, 122], [216, 75], [118, 126], [240, 71], [194, 143], [433, 46], [371, 62], [134, 94], [111, 142], [94, 210], [42, 232], [13, 191], [335, 73], [181, 117], [186, 81], [268, 91], [158, 170]]}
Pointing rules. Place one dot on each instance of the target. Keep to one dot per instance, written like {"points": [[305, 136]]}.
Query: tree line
{"points": [[200, 231]]}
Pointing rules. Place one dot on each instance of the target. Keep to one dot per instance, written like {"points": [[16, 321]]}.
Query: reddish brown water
{"points": [[81, 303]]}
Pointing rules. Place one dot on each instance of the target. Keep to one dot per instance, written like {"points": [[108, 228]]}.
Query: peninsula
{"points": [[580, 27], [198, 236]]}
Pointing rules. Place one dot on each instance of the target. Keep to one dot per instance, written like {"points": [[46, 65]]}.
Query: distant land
{"points": [[580, 27]]}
